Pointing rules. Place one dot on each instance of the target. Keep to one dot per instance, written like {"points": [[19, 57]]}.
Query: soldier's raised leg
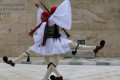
{"points": [[85, 47], [21, 57]]}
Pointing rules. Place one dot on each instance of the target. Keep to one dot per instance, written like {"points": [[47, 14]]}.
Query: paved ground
{"points": [[69, 72], [73, 69]]}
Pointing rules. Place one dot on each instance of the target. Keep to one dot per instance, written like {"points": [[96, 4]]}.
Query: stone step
{"points": [[80, 54]]}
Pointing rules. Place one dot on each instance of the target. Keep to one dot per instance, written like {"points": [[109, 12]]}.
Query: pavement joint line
{"points": [[75, 61]]}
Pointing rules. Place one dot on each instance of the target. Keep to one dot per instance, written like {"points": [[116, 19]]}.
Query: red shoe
{"points": [[52, 77], [5, 59], [102, 43], [97, 49], [59, 78]]}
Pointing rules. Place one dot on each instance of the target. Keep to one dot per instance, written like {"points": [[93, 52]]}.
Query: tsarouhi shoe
{"points": [[5, 59], [102, 43], [59, 78], [52, 77]]}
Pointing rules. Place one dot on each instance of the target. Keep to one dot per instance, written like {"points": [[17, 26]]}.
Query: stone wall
{"points": [[92, 21]]}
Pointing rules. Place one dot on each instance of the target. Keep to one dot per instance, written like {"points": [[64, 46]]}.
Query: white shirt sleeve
{"points": [[39, 13], [62, 16], [63, 35], [40, 33]]}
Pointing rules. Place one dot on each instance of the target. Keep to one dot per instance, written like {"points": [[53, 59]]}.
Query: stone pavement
{"points": [[69, 72]]}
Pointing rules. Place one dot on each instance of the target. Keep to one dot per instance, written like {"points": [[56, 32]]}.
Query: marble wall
{"points": [[92, 21]]}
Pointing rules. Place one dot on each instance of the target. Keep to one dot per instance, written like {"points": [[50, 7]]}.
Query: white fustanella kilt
{"points": [[52, 46]]}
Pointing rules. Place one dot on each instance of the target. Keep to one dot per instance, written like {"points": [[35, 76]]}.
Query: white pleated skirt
{"points": [[53, 46]]}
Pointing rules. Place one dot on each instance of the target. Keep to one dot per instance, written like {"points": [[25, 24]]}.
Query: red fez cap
{"points": [[45, 13], [53, 9]]}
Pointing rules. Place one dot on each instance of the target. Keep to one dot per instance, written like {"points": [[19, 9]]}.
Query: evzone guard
{"points": [[49, 42]]}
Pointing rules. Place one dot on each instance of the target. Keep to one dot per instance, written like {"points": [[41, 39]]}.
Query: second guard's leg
{"points": [[85, 47], [82, 47]]}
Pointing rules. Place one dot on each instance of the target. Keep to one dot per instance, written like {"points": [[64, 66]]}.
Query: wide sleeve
{"points": [[62, 16], [39, 13], [40, 33]]}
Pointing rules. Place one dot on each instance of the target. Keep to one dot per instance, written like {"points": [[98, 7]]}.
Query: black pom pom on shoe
{"points": [[52, 77], [102, 43], [5, 59], [74, 52]]}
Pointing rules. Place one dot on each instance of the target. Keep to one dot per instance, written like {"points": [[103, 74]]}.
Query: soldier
{"points": [[49, 42]]}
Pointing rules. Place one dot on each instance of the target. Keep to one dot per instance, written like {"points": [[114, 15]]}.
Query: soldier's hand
{"points": [[68, 36], [31, 34], [37, 5]]}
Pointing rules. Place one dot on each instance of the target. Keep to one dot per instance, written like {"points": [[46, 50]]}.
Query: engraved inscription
{"points": [[8, 8]]}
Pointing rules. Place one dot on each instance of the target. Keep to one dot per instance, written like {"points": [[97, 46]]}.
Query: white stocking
{"points": [[22, 56], [82, 47], [49, 70], [85, 47], [47, 59], [55, 62]]}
